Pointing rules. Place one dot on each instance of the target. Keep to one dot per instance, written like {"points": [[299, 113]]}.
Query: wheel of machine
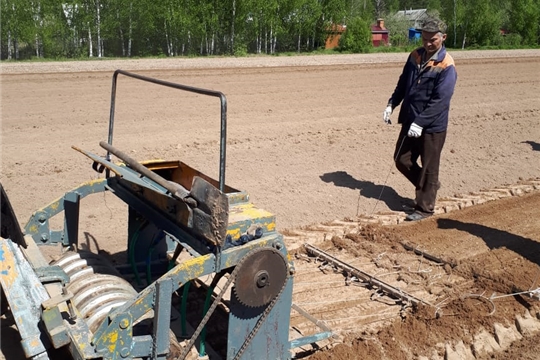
{"points": [[98, 288], [95, 286], [261, 277]]}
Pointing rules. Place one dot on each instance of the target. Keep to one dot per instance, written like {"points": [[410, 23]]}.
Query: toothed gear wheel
{"points": [[261, 277]]}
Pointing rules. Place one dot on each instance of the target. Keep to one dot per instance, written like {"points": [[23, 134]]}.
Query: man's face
{"points": [[432, 41]]}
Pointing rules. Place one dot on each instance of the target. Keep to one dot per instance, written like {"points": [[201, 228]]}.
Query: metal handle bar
{"points": [[220, 95]]}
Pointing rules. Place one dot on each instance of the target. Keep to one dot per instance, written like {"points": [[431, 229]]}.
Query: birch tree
{"points": [[17, 25]]}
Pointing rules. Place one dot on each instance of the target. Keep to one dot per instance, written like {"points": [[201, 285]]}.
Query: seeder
{"points": [[183, 226]]}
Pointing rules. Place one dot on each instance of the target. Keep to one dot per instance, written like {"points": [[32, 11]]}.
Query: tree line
{"points": [[138, 28]]}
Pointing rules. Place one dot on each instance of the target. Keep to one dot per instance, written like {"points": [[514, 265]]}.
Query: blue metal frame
{"points": [[24, 293], [38, 225], [149, 202]]}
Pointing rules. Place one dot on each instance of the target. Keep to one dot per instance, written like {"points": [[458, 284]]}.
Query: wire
{"points": [[386, 180], [534, 282]]}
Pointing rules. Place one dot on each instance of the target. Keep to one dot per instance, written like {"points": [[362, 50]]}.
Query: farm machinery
{"points": [[183, 226]]}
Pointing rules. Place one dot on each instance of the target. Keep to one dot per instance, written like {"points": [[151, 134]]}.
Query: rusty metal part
{"points": [[259, 323], [427, 255], [208, 314], [370, 279], [205, 211], [233, 276], [261, 277], [177, 190]]}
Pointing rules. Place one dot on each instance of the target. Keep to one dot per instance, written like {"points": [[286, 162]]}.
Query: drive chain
{"points": [[259, 323], [216, 302]]}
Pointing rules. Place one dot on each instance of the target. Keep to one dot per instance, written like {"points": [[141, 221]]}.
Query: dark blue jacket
{"points": [[425, 93]]}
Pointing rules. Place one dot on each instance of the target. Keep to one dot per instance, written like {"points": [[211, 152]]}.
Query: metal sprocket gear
{"points": [[261, 277]]}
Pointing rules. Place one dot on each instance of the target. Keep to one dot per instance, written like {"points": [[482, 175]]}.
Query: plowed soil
{"points": [[306, 140]]}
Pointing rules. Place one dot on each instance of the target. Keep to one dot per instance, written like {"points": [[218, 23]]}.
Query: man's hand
{"points": [[414, 131], [386, 114]]}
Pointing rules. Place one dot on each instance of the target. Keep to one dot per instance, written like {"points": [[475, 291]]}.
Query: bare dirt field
{"points": [[307, 142]]}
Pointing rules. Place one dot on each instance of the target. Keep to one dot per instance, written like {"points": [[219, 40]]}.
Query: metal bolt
{"points": [[71, 308], [124, 323], [262, 279], [124, 352]]}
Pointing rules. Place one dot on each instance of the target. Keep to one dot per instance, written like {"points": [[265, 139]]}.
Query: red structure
{"points": [[334, 33], [379, 34]]}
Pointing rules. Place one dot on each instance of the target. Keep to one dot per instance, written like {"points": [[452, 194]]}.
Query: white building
{"points": [[415, 18]]}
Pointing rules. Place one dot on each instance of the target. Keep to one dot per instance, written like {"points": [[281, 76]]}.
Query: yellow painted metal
{"points": [[79, 340], [55, 205], [8, 268], [158, 164], [241, 216], [193, 268], [264, 242], [234, 232], [248, 211], [111, 339], [24, 293]]}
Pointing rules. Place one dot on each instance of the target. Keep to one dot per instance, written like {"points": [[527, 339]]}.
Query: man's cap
{"points": [[434, 26]]}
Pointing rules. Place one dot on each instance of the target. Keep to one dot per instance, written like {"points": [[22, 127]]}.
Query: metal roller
{"points": [[95, 284]]}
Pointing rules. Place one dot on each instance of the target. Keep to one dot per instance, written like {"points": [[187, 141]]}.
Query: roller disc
{"points": [[261, 277]]}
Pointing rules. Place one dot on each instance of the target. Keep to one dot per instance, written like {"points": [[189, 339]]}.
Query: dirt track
{"points": [[308, 144]]}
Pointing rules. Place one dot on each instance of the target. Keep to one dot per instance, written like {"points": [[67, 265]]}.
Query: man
{"points": [[424, 90]]}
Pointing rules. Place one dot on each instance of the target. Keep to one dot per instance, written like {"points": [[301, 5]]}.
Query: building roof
{"points": [[413, 15], [336, 28], [379, 27], [376, 29]]}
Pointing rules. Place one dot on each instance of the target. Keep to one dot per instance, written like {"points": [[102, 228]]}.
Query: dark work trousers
{"points": [[427, 148]]}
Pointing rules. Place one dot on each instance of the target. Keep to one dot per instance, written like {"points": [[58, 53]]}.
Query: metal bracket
{"points": [[48, 274], [118, 343], [54, 301]]}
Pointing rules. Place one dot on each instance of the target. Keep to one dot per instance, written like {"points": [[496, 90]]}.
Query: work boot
{"points": [[408, 206], [417, 215]]}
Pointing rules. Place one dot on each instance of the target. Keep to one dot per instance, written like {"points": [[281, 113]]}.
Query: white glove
{"points": [[414, 131], [386, 114]]}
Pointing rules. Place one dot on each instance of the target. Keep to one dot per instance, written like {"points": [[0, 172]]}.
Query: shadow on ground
{"points": [[10, 342], [535, 146], [495, 238], [368, 189]]}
